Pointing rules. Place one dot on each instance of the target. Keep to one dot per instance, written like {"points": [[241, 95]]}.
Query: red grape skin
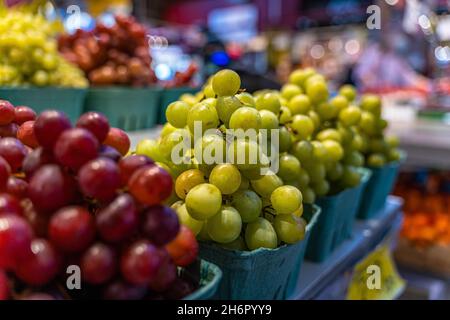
{"points": [[96, 123], [72, 229], [9, 130], [130, 164], [9, 205], [100, 179], [38, 222], [26, 134], [98, 264], [179, 289], [150, 185], [119, 140], [51, 188], [140, 262], [5, 171], [17, 187], [119, 220], [120, 290], [4, 286], [6, 112], [110, 153], [184, 248], [49, 126], [24, 114], [167, 275], [15, 240], [41, 266], [160, 225], [75, 147], [36, 159], [13, 151]]}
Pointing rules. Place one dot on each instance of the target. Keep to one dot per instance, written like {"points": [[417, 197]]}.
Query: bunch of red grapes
{"points": [[117, 55], [70, 196]]}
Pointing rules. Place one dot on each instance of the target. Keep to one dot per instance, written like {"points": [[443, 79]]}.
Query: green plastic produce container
{"points": [[170, 95], [68, 100], [378, 188], [263, 273], [210, 276], [126, 108]]}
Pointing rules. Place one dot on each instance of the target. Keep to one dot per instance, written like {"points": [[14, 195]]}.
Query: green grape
{"points": [[246, 99], [288, 91], [321, 188], [226, 177], [350, 116], [211, 102], [210, 150], [283, 101], [378, 145], [188, 180], [269, 120], [329, 134], [208, 91], [334, 150], [299, 104], [357, 142], [176, 204], [289, 229], [205, 115], [314, 116], [346, 134], [354, 158], [371, 103], [317, 91], [245, 183], [289, 167], [40, 78], [286, 199], [368, 123], [351, 177], [302, 126], [177, 139], [203, 201], [149, 148], [299, 77], [335, 171], [245, 118], [393, 141], [226, 83], [327, 111], [226, 106], [248, 204], [382, 124], [316, 171], [266, 185], [285, 115], [339, 102], [308, 195], [167, 168], [246, 155], [315, 78], [237, 245], [188, 98], [303, 179], [225, 226], [252, 174], [167, 129], [268, 101], [285, 139], [299, 212], [176, 114], [348, 91], [203, 235], [260, 234], [186, 220], [376, 160], [320, 152], [303, 151], [293, 183]]}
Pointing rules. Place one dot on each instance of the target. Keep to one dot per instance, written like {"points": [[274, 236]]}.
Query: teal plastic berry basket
{"points": [[170, 95], [68, 100], [379, 186], [126, 108], [210, 277], [262, 274]]}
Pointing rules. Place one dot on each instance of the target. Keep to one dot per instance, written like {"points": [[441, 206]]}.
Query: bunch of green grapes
{"points": [[235, 200], [29, 53]]}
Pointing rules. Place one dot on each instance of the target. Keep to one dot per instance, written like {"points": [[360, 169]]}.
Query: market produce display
{"points": [[29, 55], [71, 197]]}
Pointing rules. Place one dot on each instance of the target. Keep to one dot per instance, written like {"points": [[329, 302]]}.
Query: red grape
{"points": [[5, 171], [9, 130], [118, 220], [140, 262], [98, 264], [99, 178], [72, 229], [15, 240], [38, 222], [118, 139], [17, 187], [36, 159], [24, 114], [6, 112], [41, 266], [13, 151], [120, 290], [130, 164], [49, 126], [150, 185], [167, 274], [26, 134], [75, 147], [179, 289], [4, 286], [96, 123], [184, 248], [110, 153], [9, 205], [160, 225], [51, 188]]}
